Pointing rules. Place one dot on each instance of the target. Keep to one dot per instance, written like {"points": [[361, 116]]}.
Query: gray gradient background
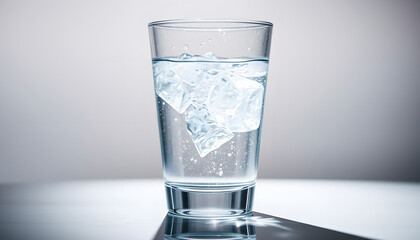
{"points": [[77, 99]]}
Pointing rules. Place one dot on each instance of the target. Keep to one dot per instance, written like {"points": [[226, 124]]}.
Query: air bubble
{"points": [[173, 47], [229, 154], [186, 47], [220, 172], [195, 161], [249, 49]]}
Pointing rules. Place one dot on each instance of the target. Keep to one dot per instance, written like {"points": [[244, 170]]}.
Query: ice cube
{"points": [[190, 72], [203, 88], [210, 55], [196, 68], [184, 56], [202, 81], [206, 133], [237, 102], [254, 70], [170, 87]]}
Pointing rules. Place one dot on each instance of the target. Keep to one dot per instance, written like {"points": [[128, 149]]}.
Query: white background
{"points": [[77, 99]]}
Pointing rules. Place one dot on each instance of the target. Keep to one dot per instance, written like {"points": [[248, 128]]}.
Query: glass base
{"points": [[210, 201], [181, 227]]}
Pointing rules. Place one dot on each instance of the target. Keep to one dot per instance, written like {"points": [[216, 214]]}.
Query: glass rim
{"points": [[205, 24]]}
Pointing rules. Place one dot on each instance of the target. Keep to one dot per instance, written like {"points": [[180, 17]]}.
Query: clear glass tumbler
{"points": [[210, 79]]}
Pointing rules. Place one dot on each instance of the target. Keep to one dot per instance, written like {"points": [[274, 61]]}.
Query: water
{"points": [[210, 113]]}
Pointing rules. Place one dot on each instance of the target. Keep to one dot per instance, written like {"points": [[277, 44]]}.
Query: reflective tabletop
{"points": [[135, 209], [252, 226]]}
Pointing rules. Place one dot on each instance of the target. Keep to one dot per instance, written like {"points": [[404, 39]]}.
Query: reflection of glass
{"points": [[210, 80], [248, 226], [206, 228]]}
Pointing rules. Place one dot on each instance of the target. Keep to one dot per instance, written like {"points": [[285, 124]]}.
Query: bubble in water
{"points": [[163, 103], [192, 159], [175, 119], [229, 154], [173, 47], [220, 172], [221, 164], [195, 161], [186, 47], [249, 49]]}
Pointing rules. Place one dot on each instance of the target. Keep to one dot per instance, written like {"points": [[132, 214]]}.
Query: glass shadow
{"points": [[252, 226]]}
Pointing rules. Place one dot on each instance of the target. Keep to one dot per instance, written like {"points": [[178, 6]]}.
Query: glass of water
{"points": [[210, 79]]}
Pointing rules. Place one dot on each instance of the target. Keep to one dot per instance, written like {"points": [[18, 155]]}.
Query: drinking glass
{"points": [[210, 79]]}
